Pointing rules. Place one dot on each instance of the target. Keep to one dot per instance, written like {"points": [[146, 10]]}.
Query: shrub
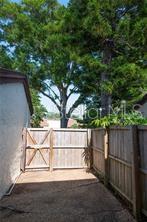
{"points": [[133, 118]]}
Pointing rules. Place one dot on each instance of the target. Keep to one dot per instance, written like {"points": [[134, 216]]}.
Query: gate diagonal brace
{"points": [[37, 147]]}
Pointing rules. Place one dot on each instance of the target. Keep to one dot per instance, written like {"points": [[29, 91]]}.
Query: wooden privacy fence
{"points": [[55, 148], [119, 155], [120, 158]]}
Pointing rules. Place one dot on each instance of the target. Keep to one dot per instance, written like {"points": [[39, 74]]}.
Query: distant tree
{"points": [[52, 115], [40, 111]]}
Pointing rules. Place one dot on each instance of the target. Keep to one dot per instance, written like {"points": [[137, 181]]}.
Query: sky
{"points": [[64, 2]]}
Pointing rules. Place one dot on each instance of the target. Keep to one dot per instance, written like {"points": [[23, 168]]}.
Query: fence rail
{"points": [[120, 158]]}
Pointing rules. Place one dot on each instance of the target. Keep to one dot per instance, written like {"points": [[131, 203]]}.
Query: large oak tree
{"points": [[32, 32]]}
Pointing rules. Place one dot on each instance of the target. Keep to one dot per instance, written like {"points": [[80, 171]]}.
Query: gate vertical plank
{"points": [[89, 145], [51, 150], [106, 156]]}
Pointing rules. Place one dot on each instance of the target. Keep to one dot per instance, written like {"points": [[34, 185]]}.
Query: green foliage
{"points": [[133, 118], [39, 110], [92, 112], [107, 86], [129, 80], [75, 126], [121, 27], [5, 59]]}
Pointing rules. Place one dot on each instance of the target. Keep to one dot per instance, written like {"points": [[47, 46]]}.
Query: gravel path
{"points": [[61, 196]]}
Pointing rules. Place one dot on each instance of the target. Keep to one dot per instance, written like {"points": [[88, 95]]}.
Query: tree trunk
{"points": [[63, 121], [105, 96], [63, 102], [105, 103]]}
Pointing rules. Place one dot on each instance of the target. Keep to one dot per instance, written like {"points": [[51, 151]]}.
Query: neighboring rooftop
{"points": [[9, 76]]}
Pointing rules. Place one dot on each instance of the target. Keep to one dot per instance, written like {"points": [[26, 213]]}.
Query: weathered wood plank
{"points": [[135, 173], [143, 165]]}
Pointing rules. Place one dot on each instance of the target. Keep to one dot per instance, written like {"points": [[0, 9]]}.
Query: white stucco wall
{"points": [[143, 109], [14, 116]]}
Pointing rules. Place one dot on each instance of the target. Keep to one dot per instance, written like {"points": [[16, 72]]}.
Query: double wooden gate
{"points": [[55, 148]]}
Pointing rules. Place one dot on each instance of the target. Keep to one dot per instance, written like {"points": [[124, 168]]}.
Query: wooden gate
{"points": [[38, 148], [56, 148]]}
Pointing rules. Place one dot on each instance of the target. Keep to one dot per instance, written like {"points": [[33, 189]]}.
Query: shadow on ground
{"points": [[63, 196]]}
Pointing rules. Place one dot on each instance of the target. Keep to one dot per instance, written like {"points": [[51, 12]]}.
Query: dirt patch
{"points": [[61, 196]]}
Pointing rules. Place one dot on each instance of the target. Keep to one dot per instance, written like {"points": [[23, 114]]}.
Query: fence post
{"points": [[136, 188], [106, 157], [90, 150], [51, 150], [23, 149]]}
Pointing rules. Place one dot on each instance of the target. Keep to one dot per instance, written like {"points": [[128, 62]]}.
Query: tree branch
{"points": [[49, 88], [75, 105], [52, 99], [71, 92], [126, 11]]}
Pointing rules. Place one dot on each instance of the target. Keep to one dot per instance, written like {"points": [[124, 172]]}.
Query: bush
{"points": [[133, 118]]}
